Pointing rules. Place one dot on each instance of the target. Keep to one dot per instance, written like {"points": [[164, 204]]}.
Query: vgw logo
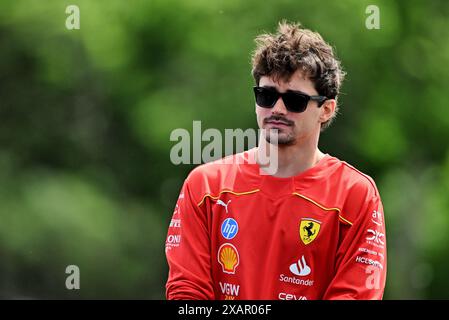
{"points": [[229, 228], [229, 290]]}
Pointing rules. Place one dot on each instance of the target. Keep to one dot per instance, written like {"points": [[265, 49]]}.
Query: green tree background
{"points": [[86, 116]]}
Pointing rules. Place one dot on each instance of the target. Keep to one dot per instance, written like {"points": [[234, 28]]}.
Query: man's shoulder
{"points": [[356, 191], [361, 182], [341, 185], [353, 180]]}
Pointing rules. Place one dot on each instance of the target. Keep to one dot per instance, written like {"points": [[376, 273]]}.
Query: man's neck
{"points": [[293, 159]]}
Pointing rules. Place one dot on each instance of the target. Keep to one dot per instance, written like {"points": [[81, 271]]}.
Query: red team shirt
{"points": [[237, 234]]}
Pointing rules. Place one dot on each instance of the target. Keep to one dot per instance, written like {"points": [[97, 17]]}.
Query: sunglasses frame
{"points": [[307, 98]]}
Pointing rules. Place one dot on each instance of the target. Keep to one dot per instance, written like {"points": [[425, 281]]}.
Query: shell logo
{"points": [[228, 257]]}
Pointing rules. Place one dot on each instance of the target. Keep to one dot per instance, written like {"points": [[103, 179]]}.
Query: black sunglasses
{"points": [[294, 101]]}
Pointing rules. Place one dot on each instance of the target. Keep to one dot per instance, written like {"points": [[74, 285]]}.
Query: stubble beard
{"points": [[283, 139]]}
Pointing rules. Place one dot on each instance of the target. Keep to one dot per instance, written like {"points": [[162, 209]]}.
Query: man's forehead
{"points": [[297, 81], [279, 79]]}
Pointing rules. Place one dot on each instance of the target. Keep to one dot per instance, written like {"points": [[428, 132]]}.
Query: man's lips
{"points": [[277, 123]]}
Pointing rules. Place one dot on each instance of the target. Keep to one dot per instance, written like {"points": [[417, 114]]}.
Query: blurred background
{"points": [[86, 116]]}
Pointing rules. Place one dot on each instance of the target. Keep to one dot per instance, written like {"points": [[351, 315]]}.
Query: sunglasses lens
{"points": [[295, 102], [265, 98]]}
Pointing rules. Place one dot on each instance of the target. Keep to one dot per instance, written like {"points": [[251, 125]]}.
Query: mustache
{"points": [[278, 118]]}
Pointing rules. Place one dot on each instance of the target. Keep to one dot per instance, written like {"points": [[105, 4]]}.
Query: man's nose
{"points": [[279, 107]]}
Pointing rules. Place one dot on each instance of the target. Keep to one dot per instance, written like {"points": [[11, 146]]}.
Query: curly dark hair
{"points": [[295, 48]]}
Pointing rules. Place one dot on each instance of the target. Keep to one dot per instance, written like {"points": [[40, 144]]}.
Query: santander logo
{"points": [[300, 268]]}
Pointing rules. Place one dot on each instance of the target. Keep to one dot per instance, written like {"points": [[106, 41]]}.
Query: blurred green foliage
{"points": [[86, 115]]}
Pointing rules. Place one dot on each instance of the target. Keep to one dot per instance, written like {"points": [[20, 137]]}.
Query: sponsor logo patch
{"points": [[375, 237], [308, 230], [173, 241], [229, 228], [300, 268], [369, 261], [289, 296], [225, 205], [376, 218], [228, 257], [175, 223], [229, 290]]}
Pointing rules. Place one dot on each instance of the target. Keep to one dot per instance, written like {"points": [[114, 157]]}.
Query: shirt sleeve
{"points": [[361, 257], [187, 250]]}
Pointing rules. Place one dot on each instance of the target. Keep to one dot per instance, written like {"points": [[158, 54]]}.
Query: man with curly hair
{"points": [[312, 230]]}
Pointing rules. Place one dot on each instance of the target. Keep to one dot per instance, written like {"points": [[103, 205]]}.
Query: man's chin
{"points": [[282, 139]]}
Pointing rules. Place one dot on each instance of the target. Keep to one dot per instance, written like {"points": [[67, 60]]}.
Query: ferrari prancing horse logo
{"points": [[308, 230]]}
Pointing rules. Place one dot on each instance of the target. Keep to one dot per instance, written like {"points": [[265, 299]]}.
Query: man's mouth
{"points": [[278, 122]]}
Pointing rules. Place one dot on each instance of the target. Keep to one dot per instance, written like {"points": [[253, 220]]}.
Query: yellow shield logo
{"points": [[228, 257], [308, 230]]}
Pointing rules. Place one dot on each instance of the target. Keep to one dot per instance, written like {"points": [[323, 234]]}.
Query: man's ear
{"points": [[327, 110]]}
